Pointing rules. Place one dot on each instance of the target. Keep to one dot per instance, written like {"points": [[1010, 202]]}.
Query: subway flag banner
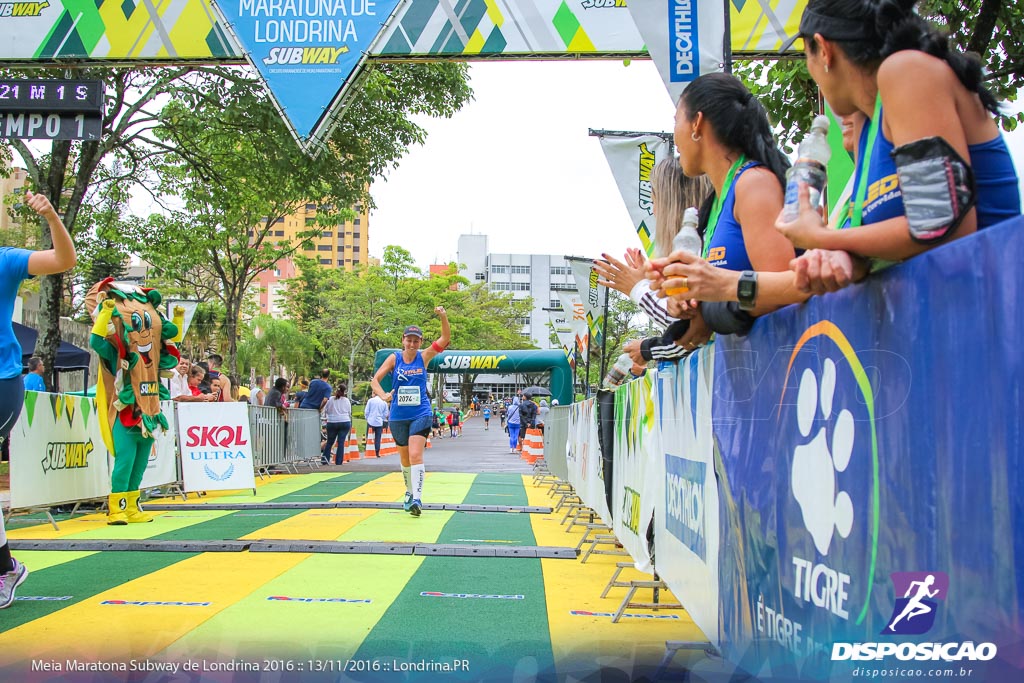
{"points": [[586, 283], [307, 51], [631, 158], [576, 316]]}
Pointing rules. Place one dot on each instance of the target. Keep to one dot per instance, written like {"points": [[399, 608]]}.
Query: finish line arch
{"points": [[553, 361]]}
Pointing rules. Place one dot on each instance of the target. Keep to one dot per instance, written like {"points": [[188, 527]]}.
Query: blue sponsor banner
{"points": [[683, 41], [684, 503], [869, 457], [305, 50]]}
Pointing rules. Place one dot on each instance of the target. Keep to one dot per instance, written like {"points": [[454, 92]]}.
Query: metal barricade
{"points": [[303, 443]]}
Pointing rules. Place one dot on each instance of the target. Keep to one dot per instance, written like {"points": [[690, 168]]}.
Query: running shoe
{"points": [[407, 503], [415, 507], [14, 578]]}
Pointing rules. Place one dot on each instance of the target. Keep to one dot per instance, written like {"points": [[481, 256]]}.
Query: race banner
{"points": [[57, 452], [583, 458], [307, 53], [525, 27], [686, 532], [216, 449], [872, 473], [631, 158], [685, 38], [577, 317], [163, 459], [637, 448], [170, 32], [190, 306], [560, 325], [585, 275]]}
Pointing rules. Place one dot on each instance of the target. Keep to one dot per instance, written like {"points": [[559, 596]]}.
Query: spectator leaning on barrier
{"points": [[257, 393], [219, 380], [17, 265], [195, 376], [318, 392], [275, 397], [722, 130], [34, 379], [178, 384]]}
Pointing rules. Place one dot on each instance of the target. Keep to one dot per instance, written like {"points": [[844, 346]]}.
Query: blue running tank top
{"points": [[995, 180], [883, 199], [409, 386], [727, 248]]}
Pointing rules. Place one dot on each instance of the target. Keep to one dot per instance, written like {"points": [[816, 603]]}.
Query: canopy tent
{"points": [[70, 358]]}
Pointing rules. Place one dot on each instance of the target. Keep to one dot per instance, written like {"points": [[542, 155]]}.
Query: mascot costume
{"points": [[134, 343]]}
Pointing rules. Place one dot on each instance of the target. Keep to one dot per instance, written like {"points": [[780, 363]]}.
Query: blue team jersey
{"points": [[727, 248], [13, 269], [409, 398], [487, 413], [883, 199]]}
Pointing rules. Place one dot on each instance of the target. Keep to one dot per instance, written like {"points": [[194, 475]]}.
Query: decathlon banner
{"points": [[637, 446], [631, 158], [685, 38], [162, 467], [583, 458], [307, 52], [216, 451], [872, 469], [57, 452], [586, 276], [686, 532], [576, 315]]}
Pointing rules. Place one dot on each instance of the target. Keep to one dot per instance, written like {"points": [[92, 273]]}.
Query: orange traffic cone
{"points": [[351, 448], [388, 445], [371, 447], [533, 446]]}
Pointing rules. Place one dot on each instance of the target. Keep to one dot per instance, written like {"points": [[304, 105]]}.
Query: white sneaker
{"points": [[11, 580]]}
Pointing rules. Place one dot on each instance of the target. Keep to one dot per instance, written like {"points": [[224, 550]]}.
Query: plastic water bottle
{"points": [[618, 373], [810, 168], [688, 240]]}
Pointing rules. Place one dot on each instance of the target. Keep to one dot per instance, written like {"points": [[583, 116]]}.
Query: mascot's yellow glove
{"points": [[99, 328], [179, 320]]}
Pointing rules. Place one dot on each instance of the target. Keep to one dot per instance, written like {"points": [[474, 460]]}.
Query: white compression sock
{"points": [[418, 473]]}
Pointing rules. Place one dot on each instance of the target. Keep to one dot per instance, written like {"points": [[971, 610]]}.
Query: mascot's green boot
{"points": [[134, 512], [117, 507]]}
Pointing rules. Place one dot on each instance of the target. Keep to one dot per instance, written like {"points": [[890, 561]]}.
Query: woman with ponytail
{"points": [[721, 130], [927, 107]]}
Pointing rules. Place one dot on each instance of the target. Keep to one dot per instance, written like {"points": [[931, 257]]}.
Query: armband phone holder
{"points": [[937, 187]]}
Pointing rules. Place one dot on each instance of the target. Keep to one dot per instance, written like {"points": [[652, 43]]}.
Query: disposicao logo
{"points": [[435, 594], [912, 615], [155, 603], [285, 598]]}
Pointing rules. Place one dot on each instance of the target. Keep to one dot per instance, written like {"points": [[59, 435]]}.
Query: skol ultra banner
{"points": [[632, 158], [871, 473], [57, 452], [216, 449], [585, 275], [686, 532], [576, 315], [637, 446]]}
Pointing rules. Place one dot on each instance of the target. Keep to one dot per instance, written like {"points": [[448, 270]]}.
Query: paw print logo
{"points": [[816, 463]]}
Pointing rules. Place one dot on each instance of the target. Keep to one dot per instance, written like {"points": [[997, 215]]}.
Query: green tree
{"points": [[238, 173], [993, 29], [269, 344]]}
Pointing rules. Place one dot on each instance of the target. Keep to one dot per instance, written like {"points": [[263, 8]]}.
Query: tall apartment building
{"points": [[539, 276], [15, 180], [344, 246]]}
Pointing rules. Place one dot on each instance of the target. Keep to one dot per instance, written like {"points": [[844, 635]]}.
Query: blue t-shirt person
{"points": [[487, 413], [34, 382], [318, 391], [13, 269]]}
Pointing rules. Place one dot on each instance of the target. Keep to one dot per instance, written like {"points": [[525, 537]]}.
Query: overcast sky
{"points": [[517, 164]]}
